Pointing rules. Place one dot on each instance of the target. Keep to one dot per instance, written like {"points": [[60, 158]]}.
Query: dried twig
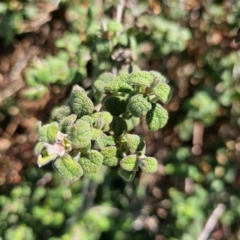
{"points": [[120, 8], [212, 221]]}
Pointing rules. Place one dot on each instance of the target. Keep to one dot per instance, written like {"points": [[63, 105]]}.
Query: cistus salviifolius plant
{"points": [[80, 139]]}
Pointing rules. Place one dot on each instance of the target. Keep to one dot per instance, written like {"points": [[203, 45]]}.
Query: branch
{"points": [[212, 221], [120, 8]]}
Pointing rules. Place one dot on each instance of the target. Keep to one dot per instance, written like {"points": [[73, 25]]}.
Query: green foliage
{"points": [[12, 18], [197, 151], [102, 81], [157, 117], [68, 168], [91, 162], [80, 134], [163, 92], [48, 133], [148, 164], [116, 105], [138, 105], [141, 78], [87, 139], [126, 175], [111, 156], [80, 103], [130, 163]]}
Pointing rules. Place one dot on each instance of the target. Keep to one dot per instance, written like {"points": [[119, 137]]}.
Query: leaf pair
{"points": [[131, 163]]}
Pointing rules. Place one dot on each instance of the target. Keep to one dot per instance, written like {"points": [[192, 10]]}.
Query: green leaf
{"points": [[116, 86], [130, 163], [102, 141], [45, 159], [163, 92], [157, 78], [102, 81], [148, 164], [114, 26], [38, 148], [59, 113], [87, 119], [138, 105], [157, 117], [35, 92], [104, 47], [95, 133], [141, 78], [111, 140], [67, 122], [48, 133], [118, 125], [80, 134], [126, 175], [123, 77], [116, 105], [131, 121], [91, 162], [102, 120], [135, 143], [68, 168], [110, 156], [80, 103]]}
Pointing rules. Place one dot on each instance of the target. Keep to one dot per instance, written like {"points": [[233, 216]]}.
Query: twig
{"points": [[11, 89], [212, 221], [120, 8]]}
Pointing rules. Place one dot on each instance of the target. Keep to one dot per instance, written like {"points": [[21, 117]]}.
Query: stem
{"points": [[212, 221], [120, 7]]}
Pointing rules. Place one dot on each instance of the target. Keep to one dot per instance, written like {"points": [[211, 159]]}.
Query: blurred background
{"points": [[47, 46]]}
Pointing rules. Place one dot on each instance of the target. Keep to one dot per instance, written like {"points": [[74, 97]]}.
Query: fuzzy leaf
{"points": [[138, 105], [38, 148], [129, 163], [87, 119], [116, 105], [80, 103], [163, 92], [59, 113], [102, 81], [86, 149], [48, 133], [148, 164], [118, 125], [124, 77], [135, 143], [157, 117], [131, 121], [104, 47], [80, 134], [118, 86], [111, 140], [158, 77], [110, 156], [68, 168], [43, 160], [102, 141], [102, 120], [126, 175], [95, 133], [67, 122], [91, 162], [142, 78], [114, 26]]}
